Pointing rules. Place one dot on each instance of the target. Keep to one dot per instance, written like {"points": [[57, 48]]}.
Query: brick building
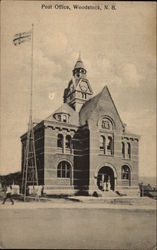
{"points": [[84, 145]]}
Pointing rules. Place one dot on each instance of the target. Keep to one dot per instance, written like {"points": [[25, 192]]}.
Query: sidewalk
{"points": [[145, 204]]}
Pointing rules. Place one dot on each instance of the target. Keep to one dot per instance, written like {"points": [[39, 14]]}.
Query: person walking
{"points": [[8, 195]]}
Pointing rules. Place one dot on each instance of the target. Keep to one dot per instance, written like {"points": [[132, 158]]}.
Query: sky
{"points": [[118, 48]]}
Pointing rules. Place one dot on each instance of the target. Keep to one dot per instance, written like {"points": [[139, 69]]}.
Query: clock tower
{"points": [[79, 89]]}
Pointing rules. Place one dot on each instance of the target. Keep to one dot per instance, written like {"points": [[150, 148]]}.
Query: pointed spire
{"points": [[79, 58], [79, 63]]}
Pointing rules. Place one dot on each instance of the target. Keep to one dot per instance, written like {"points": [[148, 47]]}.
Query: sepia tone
{"points": [[84, 146], [78, 96]]}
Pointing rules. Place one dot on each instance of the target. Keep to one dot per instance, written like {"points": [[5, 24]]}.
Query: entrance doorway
{"points": [[105, 179]]}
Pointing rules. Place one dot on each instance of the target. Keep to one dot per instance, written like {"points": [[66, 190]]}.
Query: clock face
{"points": [[84, 86]]}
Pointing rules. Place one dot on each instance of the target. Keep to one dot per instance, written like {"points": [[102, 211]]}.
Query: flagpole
{"points": [[31, 96], [35, 173], [30, 116], [30, 124], [29, 165]]}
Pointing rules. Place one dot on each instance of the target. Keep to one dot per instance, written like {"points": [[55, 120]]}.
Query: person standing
{"points": [[109, 183], [102, 182], [8, 195]]}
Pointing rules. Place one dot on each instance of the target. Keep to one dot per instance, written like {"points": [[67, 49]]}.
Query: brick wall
{"points": [[98, 159], [53, 156]]}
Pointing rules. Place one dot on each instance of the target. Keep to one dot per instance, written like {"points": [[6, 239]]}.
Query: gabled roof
{"points": [[66, 109], [101, 103]]}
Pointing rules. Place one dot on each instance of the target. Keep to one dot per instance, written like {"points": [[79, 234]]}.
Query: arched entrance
{"points": [[106, 179]]}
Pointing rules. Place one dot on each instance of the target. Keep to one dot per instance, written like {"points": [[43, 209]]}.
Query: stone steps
{"points": [[109, 193]]}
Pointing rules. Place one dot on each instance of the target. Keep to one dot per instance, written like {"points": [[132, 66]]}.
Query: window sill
{"points": [[64, 178], [67, 151], [106, 154], [64, 153]]}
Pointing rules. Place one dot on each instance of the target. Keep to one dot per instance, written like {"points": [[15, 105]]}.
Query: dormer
{"points": [[62, 117]]}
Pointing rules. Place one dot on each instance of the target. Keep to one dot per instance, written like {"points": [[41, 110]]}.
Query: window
{"points": [[64, 170], [59, 117], [64, 143], [129, 150], [64, 118], [68, 142], [102, 142], [106, 144], [110, 145], [84, 95], [125, 172], [126, 150], [68, 172], [60, 141], [59, 171], [123, 149], [106, 124]]}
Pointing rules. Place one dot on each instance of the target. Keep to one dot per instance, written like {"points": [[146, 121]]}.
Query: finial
{"points": [[79, 58]]}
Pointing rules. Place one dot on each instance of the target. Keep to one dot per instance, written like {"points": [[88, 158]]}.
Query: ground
{"points": [[65, 224]]}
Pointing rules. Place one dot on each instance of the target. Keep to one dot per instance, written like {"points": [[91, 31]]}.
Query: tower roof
{"points": [[79, 64]]}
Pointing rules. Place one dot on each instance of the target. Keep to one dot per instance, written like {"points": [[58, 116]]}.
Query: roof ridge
{"points": [[114, 106], [63, 105], [104, 92]]}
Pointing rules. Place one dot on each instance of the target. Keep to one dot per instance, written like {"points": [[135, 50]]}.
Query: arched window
{"points": [[84, 95], [60, 141], [62, 117], [59, 171], [59, 117], [129, 150], [125, 172], [110, 145], [123, 149], [64, 170], [65, 118], [106, 124], [68, 142], [102, 142]]}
